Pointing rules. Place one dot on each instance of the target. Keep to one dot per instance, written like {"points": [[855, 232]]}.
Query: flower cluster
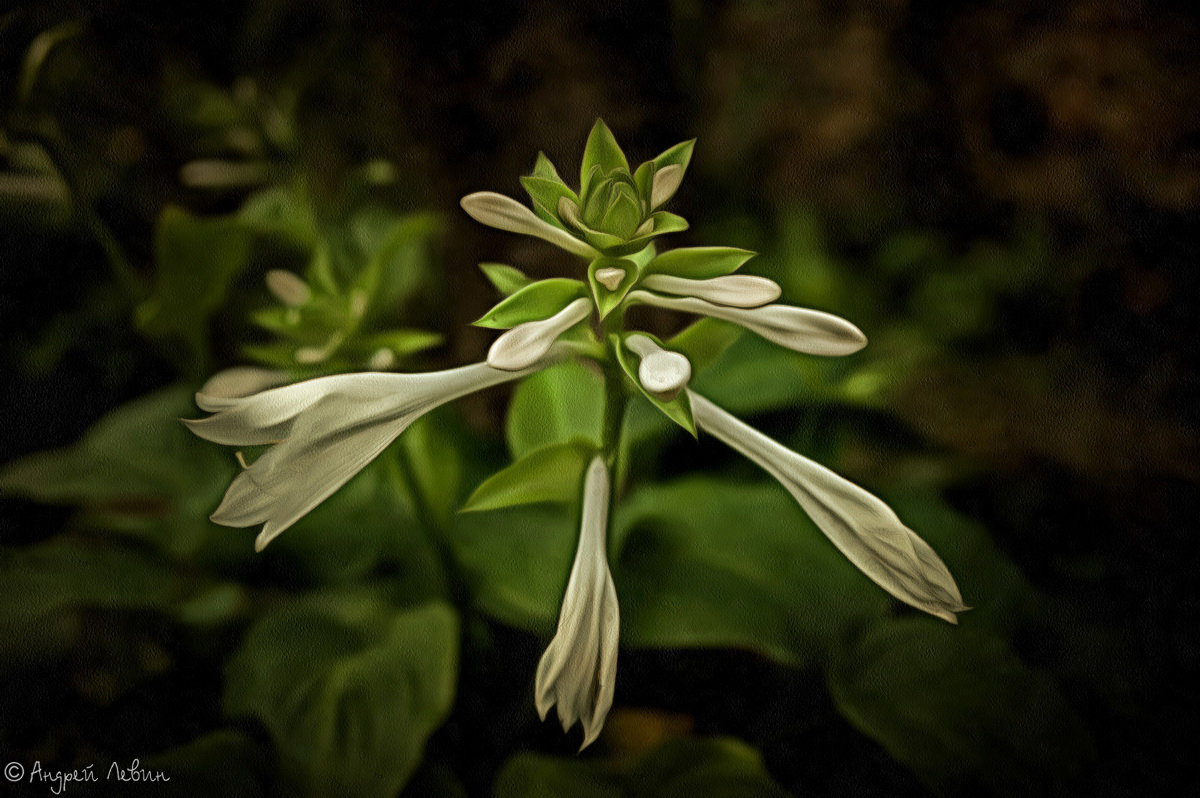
{"points": [[326, 430]]}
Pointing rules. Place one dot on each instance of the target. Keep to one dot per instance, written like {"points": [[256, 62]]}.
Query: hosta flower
{"points": [[524, 344], [579, 669], [615, 211], [323, 431], [861, 526]]}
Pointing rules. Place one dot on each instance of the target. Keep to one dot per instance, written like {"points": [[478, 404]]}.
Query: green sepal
{"points": [[667, 222], [643, 178], [545, 193], [679, 155], [508, 280], [678, 409], [607, 300], [699, 263], [601, 149], [551, 474], [704, 341], [543, 167], [534, 302]]}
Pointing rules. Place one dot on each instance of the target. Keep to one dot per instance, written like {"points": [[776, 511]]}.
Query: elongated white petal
{"points": [[666, 182], [526, 343], [661, 372], [733, 290], [325, 430], [505, 213], [579, 668], [862, 527], [801, 329]]}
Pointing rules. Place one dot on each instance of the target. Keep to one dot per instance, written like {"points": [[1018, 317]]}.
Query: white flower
{"points": [[505, 213], [579, 669], [800, 329], [662, 373], [524, 344], [732, 290], [861, 526], [324, 432]]}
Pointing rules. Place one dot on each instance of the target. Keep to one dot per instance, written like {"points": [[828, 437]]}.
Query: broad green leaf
{"points": [[754, 375], [434, 468], [534, 302], [678, 409], [609, 298], [507, 279], [710, 562], [551, 474], [703, 341], [140, 472], [679, 768], [349, 688], [196, 261], [516, 561], [224, 762], [43, 589], [601, 150], [699, 263], [959, 708], [558, 404]]}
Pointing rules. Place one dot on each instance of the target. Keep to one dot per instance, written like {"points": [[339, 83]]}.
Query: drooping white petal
{"points": [[524, 344], [666, 182], [325, 430], [862, 527], [661, 372], [732, 290], [801, 329], [505, 213], [578, 670]]}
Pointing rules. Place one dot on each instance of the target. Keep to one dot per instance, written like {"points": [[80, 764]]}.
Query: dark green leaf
{"points": [[534, 302], [349, 688], [704, 341], [958, 707], [551, 474], [225, 763]]}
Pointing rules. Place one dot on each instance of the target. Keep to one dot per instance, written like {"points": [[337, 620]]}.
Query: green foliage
{"points": [[349, 687], [556, 405], [506, 279], [552, 473], [699, 263], [607, 299], [681, 768], [534, 302], [224, 762], [678, 409], [959, 708]]}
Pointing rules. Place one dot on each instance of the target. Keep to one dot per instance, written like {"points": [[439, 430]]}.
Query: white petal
{"points": [[862, 527], [666, 182], [505, 213], [801, 329], [526, 343], [662, 373], [224, 388], [610, 277], [578, 670], [733, 290], [288, 287]]}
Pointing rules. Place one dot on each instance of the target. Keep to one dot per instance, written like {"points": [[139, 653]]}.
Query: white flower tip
{"points": [[525, 344], [505, 213], [288, 287], [610, 277], [664, 374], [733, 290]]}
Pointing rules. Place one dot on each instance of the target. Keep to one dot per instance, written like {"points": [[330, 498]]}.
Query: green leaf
{"points": [[710, 562], [434, 466], [507, 279], [534, 302], [281, 211], [397, 256], [196, 261], [551, 474], [140, 472], [348, 687], [401, 343], [224, 762], [544, 168], [704, 341], [606, 298], [680, 768], [678, 409], [545, 194], [699, 263], [601, 150], [959, 708], [516, 561], [43, 589], [556, 405]]}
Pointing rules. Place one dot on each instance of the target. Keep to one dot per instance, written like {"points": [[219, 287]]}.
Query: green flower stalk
{"points": [[326, 430]]}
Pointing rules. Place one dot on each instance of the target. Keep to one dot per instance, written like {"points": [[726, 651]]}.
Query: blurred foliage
{"points": [[1003, 196]]}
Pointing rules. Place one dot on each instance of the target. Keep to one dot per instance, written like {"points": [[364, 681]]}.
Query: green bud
{"points": [[614, 206]]}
